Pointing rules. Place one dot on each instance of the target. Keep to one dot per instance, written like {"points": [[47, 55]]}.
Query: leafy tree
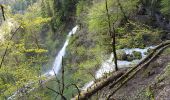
{"points": [[165, 7], [22, 54]]}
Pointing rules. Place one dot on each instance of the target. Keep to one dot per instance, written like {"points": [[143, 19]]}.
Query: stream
{"points": [[55, 69], [108, 65]]}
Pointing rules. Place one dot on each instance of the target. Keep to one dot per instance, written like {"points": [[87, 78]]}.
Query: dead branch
{"points": [[143, 61], [78, 90], [139, 68], [112, 34], [62, 78], [121, 76], [98, 86], [3, 12], [57, 80], [63, 97], [122, 10], [3, 56]]}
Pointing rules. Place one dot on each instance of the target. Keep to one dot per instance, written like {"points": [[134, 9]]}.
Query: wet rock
{"points": [[121, 55], [130, 57], [148, 51], [137, 55]]}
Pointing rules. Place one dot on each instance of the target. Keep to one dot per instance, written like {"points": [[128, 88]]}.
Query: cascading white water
{"points": [[57, 63], [58, 60], [109, 66]]}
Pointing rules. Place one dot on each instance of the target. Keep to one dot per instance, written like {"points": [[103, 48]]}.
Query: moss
{"points": [[149, 93], [148, 51], [130, 57], [121, 55], [137, 55], [167, 51]]}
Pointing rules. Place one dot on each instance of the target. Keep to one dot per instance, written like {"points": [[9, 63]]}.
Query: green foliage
{"points": [[121, 55], [21, 5], [165, 7], [59, 11], [25, 54], [97, 19], [149, 93], [137, 55], [165, 75], [134, 35]]}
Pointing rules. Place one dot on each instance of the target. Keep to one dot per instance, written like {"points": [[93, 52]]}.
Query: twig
{"points": [[133, 74], [78, 90], [3, 56], [57, 80], [63, 97], [143, 61], [99, 86]]}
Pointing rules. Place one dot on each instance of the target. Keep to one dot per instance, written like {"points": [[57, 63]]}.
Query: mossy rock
{"points": [[137, 55], [130, 57], [121, 55], [148, 51]]}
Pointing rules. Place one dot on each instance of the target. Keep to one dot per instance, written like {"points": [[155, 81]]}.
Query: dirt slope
{"points": [[151, 83]]}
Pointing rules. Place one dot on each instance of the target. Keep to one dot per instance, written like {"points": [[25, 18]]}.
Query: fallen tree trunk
{"points": [[121, 77], [143, 61], [139, 68], [98, 86]]}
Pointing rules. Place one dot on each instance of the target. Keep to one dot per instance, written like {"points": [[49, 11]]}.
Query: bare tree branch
{"points": [[62, 78], [135, 72], [78, 90], [3, 56], [122, 10], [112, 34], [58, 81], [63, 97], [3, 12]]}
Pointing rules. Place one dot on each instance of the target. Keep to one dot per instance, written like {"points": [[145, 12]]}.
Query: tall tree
{"points": [[112, 34]]}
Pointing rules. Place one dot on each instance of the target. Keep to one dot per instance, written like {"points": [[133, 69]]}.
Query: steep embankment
{"points": [[142, 34], [151, 82], [114, 83]]}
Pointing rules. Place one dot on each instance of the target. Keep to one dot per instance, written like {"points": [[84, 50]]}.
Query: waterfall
{"points": [[56, 65], [58, 60]]}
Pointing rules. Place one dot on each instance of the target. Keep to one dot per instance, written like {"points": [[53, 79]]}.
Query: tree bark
{"points": [[3, 12], [3, 56], [135, 72], [143, 61], [98, 86], [112, 34], [122, 77]]}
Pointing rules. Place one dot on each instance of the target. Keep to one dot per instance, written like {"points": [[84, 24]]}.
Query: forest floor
{"points": [[151, 83]]}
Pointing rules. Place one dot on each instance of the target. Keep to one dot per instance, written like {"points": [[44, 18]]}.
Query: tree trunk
{"points": [[98, 86], [112, 34]]}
